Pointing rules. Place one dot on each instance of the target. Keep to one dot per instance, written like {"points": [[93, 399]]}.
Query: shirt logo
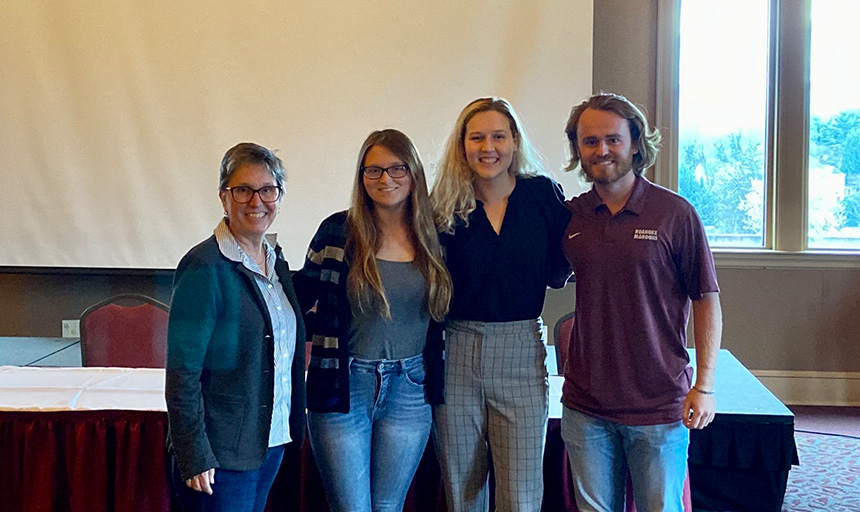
{"points": [[645, 234], [573, 235]]}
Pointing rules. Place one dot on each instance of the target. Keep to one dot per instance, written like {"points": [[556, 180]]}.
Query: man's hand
{"points": [[202, 482], [699, 410]]}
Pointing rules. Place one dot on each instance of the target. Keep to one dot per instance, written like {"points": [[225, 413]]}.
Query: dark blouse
{"points": [[503, 278]]}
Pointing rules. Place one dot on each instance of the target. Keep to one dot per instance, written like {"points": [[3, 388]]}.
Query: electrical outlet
{"points": [[71, 328]]}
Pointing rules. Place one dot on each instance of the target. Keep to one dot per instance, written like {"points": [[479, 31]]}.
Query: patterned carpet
{"points": [[828, 478]]}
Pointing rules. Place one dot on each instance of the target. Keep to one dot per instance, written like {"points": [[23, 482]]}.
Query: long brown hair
{"points": [[364, 238]]}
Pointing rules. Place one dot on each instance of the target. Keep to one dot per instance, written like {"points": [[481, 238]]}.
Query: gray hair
{"points": [[249, 153]]}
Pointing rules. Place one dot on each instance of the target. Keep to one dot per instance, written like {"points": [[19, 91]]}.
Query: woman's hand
{"points": [[202, 482]]}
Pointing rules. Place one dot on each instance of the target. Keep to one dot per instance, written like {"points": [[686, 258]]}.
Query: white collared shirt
{"points": [[283, 327]]}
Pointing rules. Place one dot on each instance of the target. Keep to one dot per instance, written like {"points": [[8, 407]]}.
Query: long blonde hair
{"points": [[453, 193], [364, 238]]}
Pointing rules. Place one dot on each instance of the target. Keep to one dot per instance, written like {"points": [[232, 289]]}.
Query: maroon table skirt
{"points": [[87, 461], [94, 461]]}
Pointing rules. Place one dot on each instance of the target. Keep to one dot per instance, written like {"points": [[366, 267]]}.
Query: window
{"points": [[834, 127], [760, 109], [722, 117]]}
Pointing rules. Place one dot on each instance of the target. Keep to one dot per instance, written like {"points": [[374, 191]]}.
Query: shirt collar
{"points": [[512, 197], [635, 202], [231, 250]]}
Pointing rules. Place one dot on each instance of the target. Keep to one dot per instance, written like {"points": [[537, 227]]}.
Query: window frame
{"points": [[787, 137]]}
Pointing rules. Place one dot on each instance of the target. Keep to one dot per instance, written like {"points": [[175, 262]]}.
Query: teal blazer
{"points": [[220, 364]]}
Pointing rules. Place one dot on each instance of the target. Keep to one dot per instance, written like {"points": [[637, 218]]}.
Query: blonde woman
{"points": [[502, 222], [376, 276]]}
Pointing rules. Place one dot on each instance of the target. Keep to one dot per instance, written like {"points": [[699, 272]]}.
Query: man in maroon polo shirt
{"points": [[641, 259]]}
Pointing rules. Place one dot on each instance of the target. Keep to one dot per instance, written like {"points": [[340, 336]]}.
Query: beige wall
{"points": [[624, 50], [792, 319]]}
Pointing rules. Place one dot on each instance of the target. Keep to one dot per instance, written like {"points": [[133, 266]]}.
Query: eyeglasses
{"points": [[244, 194], [395, 171]]}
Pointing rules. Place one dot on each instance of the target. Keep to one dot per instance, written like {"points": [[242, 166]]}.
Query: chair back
{"points": [[127, 330], [561, 337]]}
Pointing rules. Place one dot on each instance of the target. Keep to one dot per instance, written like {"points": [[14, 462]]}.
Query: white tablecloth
{"points": [[555, 407], [131, 389], [81, 389]]}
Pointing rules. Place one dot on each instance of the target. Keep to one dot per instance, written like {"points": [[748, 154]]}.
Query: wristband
{"points": [[702, 391]]}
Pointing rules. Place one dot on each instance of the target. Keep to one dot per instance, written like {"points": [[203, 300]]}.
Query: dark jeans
{"points": [[233, 491]]}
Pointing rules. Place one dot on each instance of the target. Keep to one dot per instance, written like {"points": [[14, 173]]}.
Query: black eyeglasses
{"points": [[395, 171], [243, 194]]}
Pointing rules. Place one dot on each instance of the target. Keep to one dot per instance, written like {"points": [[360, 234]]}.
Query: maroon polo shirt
{"points": [[635, 274]]}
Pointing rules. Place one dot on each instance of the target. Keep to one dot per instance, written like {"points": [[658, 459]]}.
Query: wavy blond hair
{"points": [[646, 140], [364, 285], [453, 193]]}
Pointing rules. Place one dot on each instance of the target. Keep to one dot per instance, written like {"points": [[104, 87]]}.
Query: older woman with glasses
{"points": [[235, 351], [376, 276]]}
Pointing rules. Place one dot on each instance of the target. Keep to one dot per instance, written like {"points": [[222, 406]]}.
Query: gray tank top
{"points": [[405, 333]]}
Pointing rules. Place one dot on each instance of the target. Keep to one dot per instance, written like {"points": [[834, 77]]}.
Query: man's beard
{"points": [[621, 168]]}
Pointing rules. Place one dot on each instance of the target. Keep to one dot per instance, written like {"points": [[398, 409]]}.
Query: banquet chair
{"points": [[126, 330]]}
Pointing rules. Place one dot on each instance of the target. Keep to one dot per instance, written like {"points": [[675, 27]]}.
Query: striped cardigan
{"points": [[322, 282]]}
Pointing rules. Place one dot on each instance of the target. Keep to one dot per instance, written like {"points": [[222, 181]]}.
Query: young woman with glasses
{"points": [[376, 277]]}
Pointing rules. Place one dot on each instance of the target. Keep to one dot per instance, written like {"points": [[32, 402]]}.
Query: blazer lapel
{"points": [[251, 283]]}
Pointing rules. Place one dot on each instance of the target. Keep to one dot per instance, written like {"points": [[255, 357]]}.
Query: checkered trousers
{"points": [[496, 400]]}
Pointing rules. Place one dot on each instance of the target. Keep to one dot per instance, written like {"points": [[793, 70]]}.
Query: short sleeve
{"points": [[693, 253]]}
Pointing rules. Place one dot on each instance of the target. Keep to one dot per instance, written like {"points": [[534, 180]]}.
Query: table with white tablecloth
{"points": [[93, 439]]}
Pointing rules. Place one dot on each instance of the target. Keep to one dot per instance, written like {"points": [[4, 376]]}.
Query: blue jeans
{"points": [[239, 491], [601, 452], [368, 456]]}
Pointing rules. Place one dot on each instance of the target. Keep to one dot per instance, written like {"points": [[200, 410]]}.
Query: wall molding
{"points": [[812, 387], [768, 259]]}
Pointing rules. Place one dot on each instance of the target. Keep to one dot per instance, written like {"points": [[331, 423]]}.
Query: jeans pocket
{"points": [[415, 374]]}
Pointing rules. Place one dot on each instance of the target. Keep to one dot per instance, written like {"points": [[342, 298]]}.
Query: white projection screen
{"points": [[114, 115]]}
